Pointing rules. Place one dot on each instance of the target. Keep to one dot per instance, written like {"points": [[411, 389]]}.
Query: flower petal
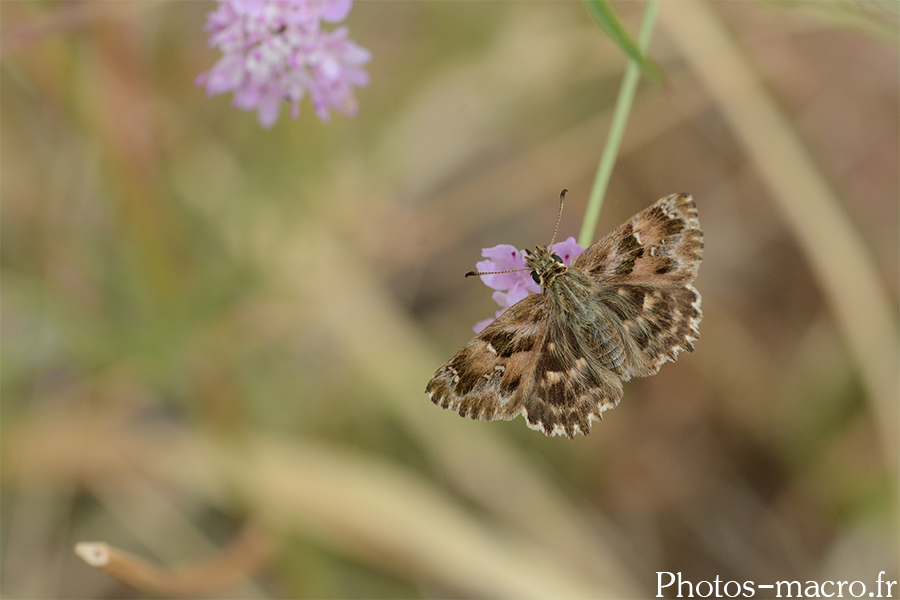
{"points": [[275, 50], [568, 250]]}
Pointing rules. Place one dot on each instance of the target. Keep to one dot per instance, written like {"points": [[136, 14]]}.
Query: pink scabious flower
{"points": [[275, 50], [512, 287]]}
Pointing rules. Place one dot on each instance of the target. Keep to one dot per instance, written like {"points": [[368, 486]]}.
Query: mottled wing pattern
{"points": [[570, 387], [523, 363], [649, 262], [623, 308], [484, 380], [668, 325], [661, 245]]}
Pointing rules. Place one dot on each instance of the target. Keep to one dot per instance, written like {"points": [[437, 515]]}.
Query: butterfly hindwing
{"points": [[663, 322], [570, 388]]}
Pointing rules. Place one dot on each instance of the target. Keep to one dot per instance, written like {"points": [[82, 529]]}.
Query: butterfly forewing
{"points": [[488, 378], [662, 245]]}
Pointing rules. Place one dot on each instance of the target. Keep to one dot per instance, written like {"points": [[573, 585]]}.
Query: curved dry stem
{"points": [[242, 557], [361, 506]]}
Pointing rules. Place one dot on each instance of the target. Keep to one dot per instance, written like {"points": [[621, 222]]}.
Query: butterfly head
{"points": [[543, 263], [545, 266]]}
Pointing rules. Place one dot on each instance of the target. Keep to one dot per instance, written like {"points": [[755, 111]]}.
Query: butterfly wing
{"points": [[527, 363], [484, 379], [661, 246], [644, 269], [569, 387]]}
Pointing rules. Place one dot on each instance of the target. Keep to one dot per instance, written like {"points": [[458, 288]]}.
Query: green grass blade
{"points": [[616, 130], [608, 19]]}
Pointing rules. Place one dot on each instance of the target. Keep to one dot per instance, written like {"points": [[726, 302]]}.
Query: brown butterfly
{"points": [[624, 307]]}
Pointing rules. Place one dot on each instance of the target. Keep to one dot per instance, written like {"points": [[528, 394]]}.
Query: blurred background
{"points": [[216, 337]]}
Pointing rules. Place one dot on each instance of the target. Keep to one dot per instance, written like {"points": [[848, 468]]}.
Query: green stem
{"points": [[617, 129]]}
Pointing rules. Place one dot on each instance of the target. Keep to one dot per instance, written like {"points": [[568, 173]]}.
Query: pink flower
{"points": [[275, 50], [512, 287]]}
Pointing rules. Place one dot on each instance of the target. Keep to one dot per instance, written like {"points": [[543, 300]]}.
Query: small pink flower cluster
{"points": [[275, 50], [512, 287]]}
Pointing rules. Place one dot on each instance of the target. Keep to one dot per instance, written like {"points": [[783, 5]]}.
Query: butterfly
{"points": [[623, 308]]}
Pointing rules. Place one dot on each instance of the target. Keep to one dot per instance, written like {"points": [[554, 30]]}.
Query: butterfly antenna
{"points": [[562, 197], [473, 273]]}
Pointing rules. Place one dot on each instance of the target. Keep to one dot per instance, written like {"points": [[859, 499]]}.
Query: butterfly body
{"points": [[584, 304], [624, 307]]}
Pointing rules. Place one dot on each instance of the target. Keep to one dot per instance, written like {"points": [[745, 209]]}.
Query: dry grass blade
{"points": [[836, 253], [361, 316], [358, 505], [388, 516]]}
